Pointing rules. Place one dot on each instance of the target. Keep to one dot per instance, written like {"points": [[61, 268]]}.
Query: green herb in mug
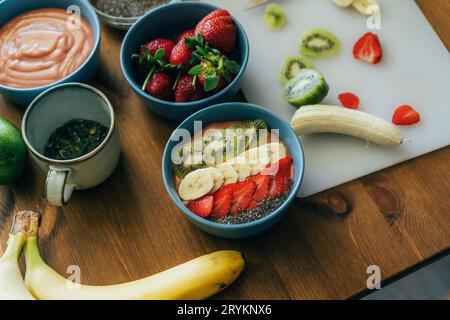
{"points": [[75, 139]]}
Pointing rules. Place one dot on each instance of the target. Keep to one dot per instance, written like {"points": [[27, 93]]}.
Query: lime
{"points": [[13, 152]]}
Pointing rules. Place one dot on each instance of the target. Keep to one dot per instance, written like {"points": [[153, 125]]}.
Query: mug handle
{"points": [[57, 191]]}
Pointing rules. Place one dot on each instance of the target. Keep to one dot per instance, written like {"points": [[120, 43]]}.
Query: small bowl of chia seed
{"points": [[122, 14]]}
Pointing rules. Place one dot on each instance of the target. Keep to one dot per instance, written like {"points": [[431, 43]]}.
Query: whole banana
{"points": [[334, 119], [197, 279], [12, 286]]}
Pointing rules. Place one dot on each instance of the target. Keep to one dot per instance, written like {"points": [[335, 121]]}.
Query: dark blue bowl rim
{"points": [[143, 94], [97, 41], [295, 187]]}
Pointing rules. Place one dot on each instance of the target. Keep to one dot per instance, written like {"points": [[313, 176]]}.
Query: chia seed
{"points": [[263, 210], [127, 8]]}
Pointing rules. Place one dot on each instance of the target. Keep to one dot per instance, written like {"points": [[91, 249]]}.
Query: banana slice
{"points": [[242, 168], [196, 184], [366, 7], [229, 174], [258, 159], [276, 151], [217, 176], [342, 3]]}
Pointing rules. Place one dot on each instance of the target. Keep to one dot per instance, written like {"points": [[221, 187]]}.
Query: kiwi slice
{"points": [[274, 17], [307, 88], [292, 66], [319, 43], [251, 124]]}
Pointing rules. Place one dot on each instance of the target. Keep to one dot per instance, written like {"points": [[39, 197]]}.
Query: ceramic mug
{"points": [[50, 111]]}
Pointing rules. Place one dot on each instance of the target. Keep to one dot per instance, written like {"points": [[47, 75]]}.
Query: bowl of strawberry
{"points": [[233, 169], [182, 57]]}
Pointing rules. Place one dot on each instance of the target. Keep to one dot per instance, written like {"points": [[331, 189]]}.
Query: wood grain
{"points": [[128, 227]]}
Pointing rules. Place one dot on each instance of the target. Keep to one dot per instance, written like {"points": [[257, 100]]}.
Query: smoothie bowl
{"points": [[46, 43], [182, 57], [233, 169]]}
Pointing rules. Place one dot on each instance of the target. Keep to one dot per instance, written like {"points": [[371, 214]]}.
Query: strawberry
{"points": [[202, 207], [160, 86], [280, 174], [285, 168], [262, 187], [222, 202], [277, 184], [219, 30], [253, 205], [186, 35], [153, 46], [242, 196], [405, 115], [368, 49], [185, 90], [349, 100], [181, 55]]}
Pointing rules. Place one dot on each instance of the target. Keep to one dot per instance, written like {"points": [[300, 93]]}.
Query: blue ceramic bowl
{"points": [[230, 112], [12, 8], [170, 21]]}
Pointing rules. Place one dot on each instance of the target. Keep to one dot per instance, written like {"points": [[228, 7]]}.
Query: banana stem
{"points": [[25, 224]]}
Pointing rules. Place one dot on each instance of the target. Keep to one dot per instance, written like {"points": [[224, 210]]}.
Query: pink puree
{"points": [[37, 48]]}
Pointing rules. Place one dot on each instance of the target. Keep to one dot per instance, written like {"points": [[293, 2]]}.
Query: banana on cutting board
{"points": [[365, 7], [334, 119]]}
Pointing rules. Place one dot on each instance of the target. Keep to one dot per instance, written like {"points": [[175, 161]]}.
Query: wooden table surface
{"points": [[129, 228]]}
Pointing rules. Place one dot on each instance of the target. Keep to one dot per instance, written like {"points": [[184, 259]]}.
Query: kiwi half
{"points": [[319, 43], [307, 88], [274, 17], [251, 124], [292, 66]]}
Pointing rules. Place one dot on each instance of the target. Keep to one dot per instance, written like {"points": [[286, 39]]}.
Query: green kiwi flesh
{"points": [[309, 87], [319, 43], [292, 66], [274, 17]]}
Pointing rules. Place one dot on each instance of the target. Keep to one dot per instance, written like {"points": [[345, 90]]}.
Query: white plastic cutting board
{"points": [[415, 70]]}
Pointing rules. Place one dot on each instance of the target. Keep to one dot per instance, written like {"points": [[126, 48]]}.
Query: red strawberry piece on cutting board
{"points": [[160, 86], [405, 115], [202, 207], [155, 45], [222, 202], [349, 100], [219, 30], [368, 49], [242, 196], [186, 91], [186, 35], [181, 55]]}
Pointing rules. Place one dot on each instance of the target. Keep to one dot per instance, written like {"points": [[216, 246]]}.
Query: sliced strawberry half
{"points": [[202, 207], [277, 185], [349, 100], [253, 205], [368, 49], [242, 196], [222, 202], [405, 115], [262, 187]]}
